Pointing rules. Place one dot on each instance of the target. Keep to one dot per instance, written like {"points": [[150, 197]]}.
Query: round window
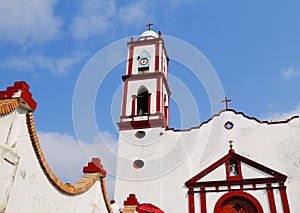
{"points": [[140, 134], [137, 164], [228, 125]]}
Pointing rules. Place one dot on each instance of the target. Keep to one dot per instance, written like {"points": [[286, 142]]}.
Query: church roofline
{"points": [[8, 105], [237, 113], [93, 172]]}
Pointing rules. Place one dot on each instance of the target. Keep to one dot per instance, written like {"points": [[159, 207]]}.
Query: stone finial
{"points": [[131, 204], [95, 166], [20, 90]]}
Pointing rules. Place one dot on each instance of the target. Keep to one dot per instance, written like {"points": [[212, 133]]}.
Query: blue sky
{"points": [[254, 47]]}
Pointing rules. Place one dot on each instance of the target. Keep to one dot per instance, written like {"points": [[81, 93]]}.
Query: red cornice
{"points": [[143, 124], [24, 96], [95, 166]]}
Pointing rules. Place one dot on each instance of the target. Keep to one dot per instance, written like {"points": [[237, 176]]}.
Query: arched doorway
{"points": [[142, 101], [239, 202]]}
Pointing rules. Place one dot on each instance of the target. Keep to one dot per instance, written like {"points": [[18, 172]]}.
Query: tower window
{"points": [[142, 102]]}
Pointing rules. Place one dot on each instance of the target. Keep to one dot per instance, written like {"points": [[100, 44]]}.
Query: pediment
{"points": [[245, 170]]}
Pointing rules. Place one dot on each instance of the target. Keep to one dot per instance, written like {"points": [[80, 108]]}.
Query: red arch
{"points": [[224, 197]]}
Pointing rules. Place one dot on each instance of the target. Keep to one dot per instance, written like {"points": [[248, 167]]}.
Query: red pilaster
{"points": [[133, 107], [191, 201], [271, 198], [284, 198], [149, 104], [130, 60], [158, 93], [203, 200], [156, 57], [124, 98]]}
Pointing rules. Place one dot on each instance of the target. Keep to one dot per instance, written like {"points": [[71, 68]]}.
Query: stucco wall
{"points": [[173, 157], [26, 187]]}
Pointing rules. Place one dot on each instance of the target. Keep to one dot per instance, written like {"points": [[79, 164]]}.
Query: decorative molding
{"points": [[20, 90], [82, 185], [8, 105], [95, 166]]}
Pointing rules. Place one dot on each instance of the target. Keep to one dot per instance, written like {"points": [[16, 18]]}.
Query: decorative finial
{"points": [[231, 149], [149, 25], [226, 102]]}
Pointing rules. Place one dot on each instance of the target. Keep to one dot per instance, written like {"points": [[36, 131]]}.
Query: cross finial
{"points": [[226, 102], [149, 25], [230, 142], [231, 150]]}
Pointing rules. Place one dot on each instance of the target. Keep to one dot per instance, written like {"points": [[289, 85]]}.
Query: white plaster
{"points": [[23, 184], [174, 157]]}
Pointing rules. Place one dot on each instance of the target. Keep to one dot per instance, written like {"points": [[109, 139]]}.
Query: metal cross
{"points": [[226, 101], [230, 142], [149, 25]]}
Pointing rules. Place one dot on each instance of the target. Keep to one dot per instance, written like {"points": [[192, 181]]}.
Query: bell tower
{"points": [[146, 93]]}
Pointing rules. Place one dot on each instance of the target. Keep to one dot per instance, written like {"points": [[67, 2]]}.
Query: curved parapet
{"points": [[27, 183], [82, 185]]}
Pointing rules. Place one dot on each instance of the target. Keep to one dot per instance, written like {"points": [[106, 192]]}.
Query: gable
{"points": [[246, 169]]}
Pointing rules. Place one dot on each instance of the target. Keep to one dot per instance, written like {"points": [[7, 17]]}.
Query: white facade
{"points": [[154, 163], [171, 158]]}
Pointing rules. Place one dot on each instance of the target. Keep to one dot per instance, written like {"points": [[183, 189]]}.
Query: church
{"points": [[230, 163]]}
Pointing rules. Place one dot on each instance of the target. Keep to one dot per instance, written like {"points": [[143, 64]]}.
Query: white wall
{"points": [[171, 158], [30, 190]]}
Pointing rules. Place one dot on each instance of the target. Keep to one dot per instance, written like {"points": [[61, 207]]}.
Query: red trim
{"points": [[144, 42], [149, 104], [284, 199], [143, 124], [125, 92], [25, 97], [94, 166], [158, 92], [130, 60], [239, 170], [131, 201], [271, 199], [133, 106], [203, 200], [275, 176], [156, 57], [191, 201], [166, 115], [228, 195]]}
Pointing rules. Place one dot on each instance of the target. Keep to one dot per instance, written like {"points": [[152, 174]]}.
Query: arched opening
{"points": [[142, 101], [238, 202]]}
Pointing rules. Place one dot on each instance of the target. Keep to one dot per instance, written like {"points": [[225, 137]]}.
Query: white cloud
{"points": [[289, 73], [28, 21], [38, 62], [66, 156], [98, 16], [134, 12], [278, 116], [94, 18]]}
